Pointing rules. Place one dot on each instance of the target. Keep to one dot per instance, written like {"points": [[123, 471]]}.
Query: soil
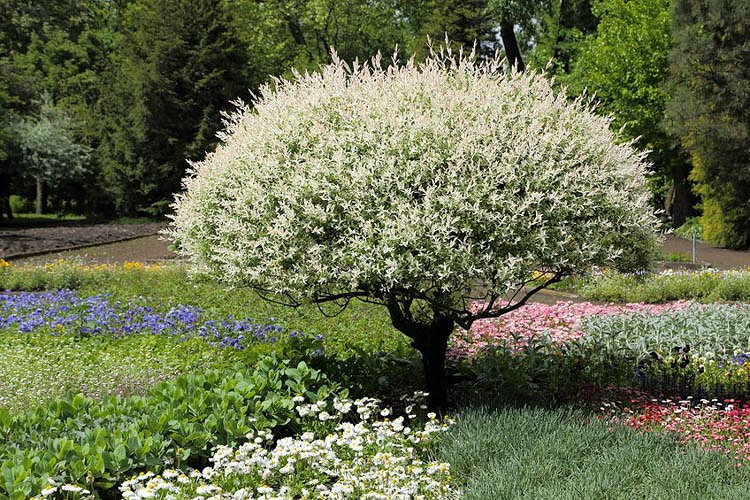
{"points": [[17, 243]]}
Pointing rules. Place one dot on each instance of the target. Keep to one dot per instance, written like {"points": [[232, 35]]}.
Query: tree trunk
{"points": [[41, 196], [5, 207], [431, 340], [681, 195], [512, 52], [5, 197], [433, 344]]}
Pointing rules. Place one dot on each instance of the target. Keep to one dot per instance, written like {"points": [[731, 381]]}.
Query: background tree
{"points": [[522, 16], [281, 35], [463, 22], [57, 49], [625, 63], [49, 151], [710, 111], [6, 138], [177, 64], [562, 25], [420, 189]]}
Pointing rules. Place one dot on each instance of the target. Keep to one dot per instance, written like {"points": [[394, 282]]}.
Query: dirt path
{"points": [[720, 258], [147, 249], [144, 245]]}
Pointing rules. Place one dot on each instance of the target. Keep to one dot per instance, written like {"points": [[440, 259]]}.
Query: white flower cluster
{"points": [[427, 178], [373, 458], [72, 491]]}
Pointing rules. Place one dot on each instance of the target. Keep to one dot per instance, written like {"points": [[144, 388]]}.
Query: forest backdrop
{"points": [[102, 102]]}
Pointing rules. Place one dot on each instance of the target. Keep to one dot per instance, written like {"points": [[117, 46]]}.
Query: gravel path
{"points": [[148, 249], [146, 246]]}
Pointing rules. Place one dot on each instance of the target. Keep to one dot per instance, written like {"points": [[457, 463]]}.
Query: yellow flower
{"points": [[4, 263]]}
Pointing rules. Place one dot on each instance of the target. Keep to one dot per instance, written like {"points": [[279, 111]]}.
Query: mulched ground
{"points": [[16, 242]]}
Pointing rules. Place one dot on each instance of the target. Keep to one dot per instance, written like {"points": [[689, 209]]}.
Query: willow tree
{"points": [[434, 190]]}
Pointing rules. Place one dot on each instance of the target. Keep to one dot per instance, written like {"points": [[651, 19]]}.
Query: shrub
{"points": [[691, 227], [19, 204], [707, 285], [675, 349], [407, 185]]}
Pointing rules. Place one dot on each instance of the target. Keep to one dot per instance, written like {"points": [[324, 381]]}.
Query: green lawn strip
{"points": [[702, 286], [32, 219], [38, 367], [360, 326], [561, 453]]}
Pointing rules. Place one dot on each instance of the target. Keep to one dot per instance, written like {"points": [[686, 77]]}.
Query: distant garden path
{"points": [[140, 242], [720, 258], [134, 242]]}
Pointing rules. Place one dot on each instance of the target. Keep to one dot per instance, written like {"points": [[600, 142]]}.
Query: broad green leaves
{"points": [[82, 441]]}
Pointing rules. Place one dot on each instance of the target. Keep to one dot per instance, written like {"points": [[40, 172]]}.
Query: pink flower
{"points": [[561, 322]]}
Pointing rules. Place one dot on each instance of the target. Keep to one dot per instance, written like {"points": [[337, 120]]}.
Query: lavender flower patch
{"points": [[63, 312]]}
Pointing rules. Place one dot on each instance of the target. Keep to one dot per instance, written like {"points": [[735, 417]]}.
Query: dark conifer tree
{"points": [[464, 21], [178, 64]]}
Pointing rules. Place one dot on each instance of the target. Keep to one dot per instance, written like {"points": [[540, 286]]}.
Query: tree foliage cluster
{"points": [[143, 83], [710, 111]]}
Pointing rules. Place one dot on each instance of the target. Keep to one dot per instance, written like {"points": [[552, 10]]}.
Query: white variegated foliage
{"points": [[425, 179]]}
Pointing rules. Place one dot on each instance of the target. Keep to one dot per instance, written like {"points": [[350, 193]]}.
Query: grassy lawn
{"points": [[33, 220], [145, 333]]}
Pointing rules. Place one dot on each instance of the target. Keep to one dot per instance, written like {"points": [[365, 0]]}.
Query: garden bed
{"points": [[145, 383]]}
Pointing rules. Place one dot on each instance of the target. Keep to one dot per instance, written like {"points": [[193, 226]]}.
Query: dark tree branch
{"points": [[485, 314], [319, 305], [295, 28], [346, 296], [270, 296]]}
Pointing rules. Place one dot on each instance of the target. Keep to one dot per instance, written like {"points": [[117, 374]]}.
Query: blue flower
{"points": [[63, 311]]}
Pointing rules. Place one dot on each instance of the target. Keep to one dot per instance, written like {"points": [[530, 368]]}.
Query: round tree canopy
{"points": [[442, 182]]}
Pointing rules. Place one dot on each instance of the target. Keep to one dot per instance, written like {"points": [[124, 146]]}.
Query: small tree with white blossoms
{"points": [[427, 189]]}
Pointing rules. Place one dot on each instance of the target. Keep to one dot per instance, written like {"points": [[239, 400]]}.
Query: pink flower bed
{"points": [[561, 322]]}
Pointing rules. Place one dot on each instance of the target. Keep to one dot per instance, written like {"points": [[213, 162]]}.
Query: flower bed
{"points": [[51, 342], [716, 426], [63, 312], [680, 348], [561, 323], [697, 352], [376, 457]]}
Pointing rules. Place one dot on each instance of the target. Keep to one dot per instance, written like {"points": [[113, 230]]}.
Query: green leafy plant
{"points": [[706, 285], [95, 444], [691, 227]]}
